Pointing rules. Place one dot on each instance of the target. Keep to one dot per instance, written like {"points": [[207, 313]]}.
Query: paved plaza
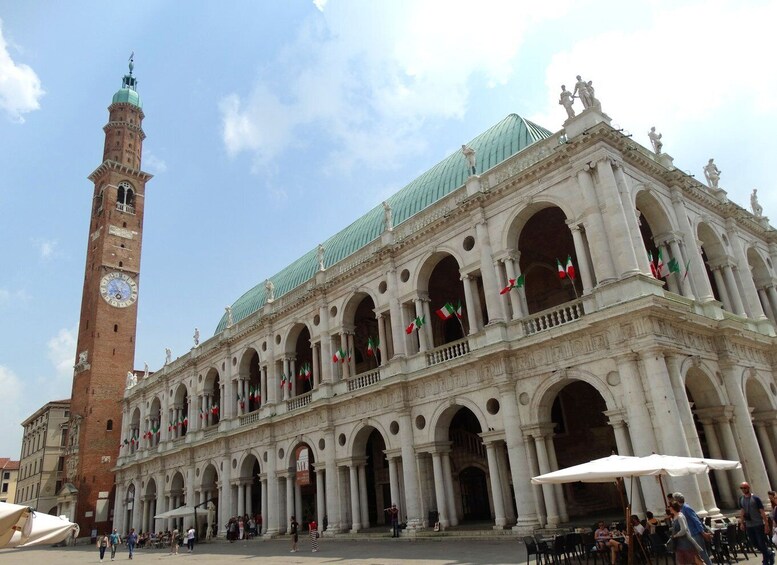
{"points": [[442, 551]]}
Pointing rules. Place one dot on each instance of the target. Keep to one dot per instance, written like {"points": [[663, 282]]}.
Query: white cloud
{"points": [[20, 88], [62, 352], [11, 412], [152, 163], [46, 248], [12, 296], [320, 4], [372, 77]]}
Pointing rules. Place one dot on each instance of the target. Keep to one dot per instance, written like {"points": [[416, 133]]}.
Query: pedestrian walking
{"points": [[393, 513], [294, 531], [695, 527], [102, 545], [190, 539], [174, 542], [752, 518], [132, 541], [114, 539], [313, 527]]}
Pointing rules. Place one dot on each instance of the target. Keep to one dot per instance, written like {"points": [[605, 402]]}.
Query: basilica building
{"points": [[531, 302]]}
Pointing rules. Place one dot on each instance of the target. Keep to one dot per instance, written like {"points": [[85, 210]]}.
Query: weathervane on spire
{"points": [[132, 62]]}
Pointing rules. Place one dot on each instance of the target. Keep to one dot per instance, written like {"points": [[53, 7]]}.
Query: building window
{"points": [[5, 487], [61, 464], [6, 475], [109, 425]]}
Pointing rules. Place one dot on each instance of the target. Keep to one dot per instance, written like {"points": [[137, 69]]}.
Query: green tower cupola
{"points": [[128, 93]]}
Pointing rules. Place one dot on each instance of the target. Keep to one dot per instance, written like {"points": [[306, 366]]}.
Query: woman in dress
{"points": [[313, 527], [685, 549]]}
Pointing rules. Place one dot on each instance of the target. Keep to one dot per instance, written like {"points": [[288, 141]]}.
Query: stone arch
{"points": [[700, 382], [293, 443], [249, 369], [429, 261], [653, 210], [367, 447], [517, 221], [297, 346], [541, 402], [245, 464], [439, 276], [442, 416], [757, 392], [302, 457], [357, 439], [713, 254], [289, 341]]}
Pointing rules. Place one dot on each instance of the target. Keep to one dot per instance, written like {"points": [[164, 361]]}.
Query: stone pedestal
{"points": [[666, 160], [587, 119], [473, 185]]}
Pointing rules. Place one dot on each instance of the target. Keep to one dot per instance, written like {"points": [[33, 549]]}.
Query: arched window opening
{"points": [[125, 198], [109, 426]]}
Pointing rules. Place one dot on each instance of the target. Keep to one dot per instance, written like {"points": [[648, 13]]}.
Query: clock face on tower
{"points": [[119, 289]]}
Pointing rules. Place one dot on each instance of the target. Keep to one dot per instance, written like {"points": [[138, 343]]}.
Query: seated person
{"points": [[622, 541], [652, 521], [602, 536]]}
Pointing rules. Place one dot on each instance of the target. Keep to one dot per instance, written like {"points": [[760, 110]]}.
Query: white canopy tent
{"points": [[180, 512], [21, 526]]}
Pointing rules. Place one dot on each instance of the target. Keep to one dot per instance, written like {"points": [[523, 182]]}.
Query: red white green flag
{"points": [[339, 356], [652, 265], [660, 267], [562, 274], [570, 268], [372, 346], [511, 284], [414, 325], [447, 311]]}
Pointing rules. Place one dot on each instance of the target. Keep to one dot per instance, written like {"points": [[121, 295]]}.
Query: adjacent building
{"points": [[42, 461], [10, 474], [536, 301]]}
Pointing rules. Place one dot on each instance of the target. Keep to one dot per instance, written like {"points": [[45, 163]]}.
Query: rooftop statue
{"points": [[712, 174], [168, 356], [758, 210], [592, 94], [230, 321], [388, 217], [565, 99], [469, 155], [269, 291], [655, 140], [132, 379], [320, 257], [145, 370], [196, 337], [583, 93]]}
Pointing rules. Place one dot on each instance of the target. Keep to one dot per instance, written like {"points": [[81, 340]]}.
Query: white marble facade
{"points": [[682, 365]]}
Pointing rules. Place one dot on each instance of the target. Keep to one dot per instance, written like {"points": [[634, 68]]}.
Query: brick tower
{"points": [[106, 331]]}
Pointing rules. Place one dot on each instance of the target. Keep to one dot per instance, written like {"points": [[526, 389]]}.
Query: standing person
{"points": [[190, 539], [259, 524], [752, 517], [773, 499], [294, 531], [241, 525], [174, 542], [394, 517], [102, 545], [132, 540], [695, 527], [313, 527], [114, 540], [685, 547]]}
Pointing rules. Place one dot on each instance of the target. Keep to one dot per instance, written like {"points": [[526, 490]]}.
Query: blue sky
{"points": [[272, 125]]}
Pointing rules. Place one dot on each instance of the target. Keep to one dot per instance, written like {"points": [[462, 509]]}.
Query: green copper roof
{"points": [[495, 145], [127, 95]]}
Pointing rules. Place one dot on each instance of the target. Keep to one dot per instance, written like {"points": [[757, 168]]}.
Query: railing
{"points": [[298, 401], [469, 442], [447, 352], [250, 418], [128, 208], [364, 379], [554, 317]]}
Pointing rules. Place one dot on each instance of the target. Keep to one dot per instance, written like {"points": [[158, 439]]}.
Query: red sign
{"points": [[303, 466]]}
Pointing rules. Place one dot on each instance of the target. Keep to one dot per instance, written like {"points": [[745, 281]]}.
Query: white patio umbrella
{"points": [[180, 512], [32, 528]]}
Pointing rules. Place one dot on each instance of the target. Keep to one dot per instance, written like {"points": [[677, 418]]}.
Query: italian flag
{"points": [[283, 380], [652, 265], [339, 356], [570, 268], [414, 325], [446, 311], [660, 267], [214, 410], [305, 372], [185, 421], [372, 346], [511, 284], [561, 272], [170, 427]]}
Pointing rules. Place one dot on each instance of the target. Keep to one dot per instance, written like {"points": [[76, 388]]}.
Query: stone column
{"points": [[327, 370], [264, 505], [137, 510], [766, 450], [363, 496], [581, 251], [671, 279], [682, 280], [273, 490], [289, 479], [615, 223], [439, 490], [118, 504], [397, 331], [423, 344], [727, 493], [733, 291], [548, 492], [346, 366], [493, 306], [380, 355], [470, 305], [393, 480], [496, 488], [513, 268], [697, 273], [771, 292], [729, 443], [641, 433], [292, 377], [622, 444], [297, 499], [316, 365], [519, 465], [630, 215], [427, 327], [332, 488], [447, 476], [320, 499], [750, 295], [601, 254], [560, 501], [409, 470], [241, 498], [717, 274], [355, 510]]}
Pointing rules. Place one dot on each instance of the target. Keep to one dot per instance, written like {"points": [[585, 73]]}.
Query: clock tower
{"points": [[106, 333]]}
